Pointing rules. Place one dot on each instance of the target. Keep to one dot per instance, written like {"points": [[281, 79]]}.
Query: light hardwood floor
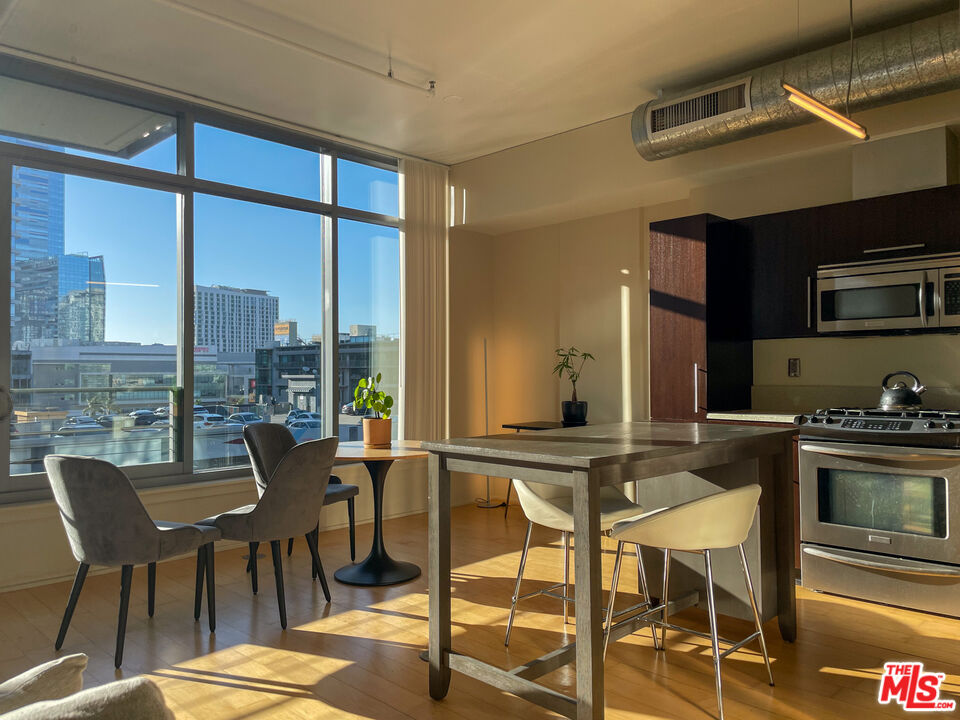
{"points": [[358, 657]]}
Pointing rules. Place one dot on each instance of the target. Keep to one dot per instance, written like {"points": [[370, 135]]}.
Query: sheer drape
{"points": [[425, 209]]}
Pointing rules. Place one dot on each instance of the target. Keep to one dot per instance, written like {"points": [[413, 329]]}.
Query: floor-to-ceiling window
{"points": [[176, 273]]}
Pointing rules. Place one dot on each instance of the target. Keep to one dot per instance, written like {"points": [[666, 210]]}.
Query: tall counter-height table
{"points": [[676, 462]]}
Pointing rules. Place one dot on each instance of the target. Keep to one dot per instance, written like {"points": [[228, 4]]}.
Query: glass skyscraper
{"points": [[53, 295]]}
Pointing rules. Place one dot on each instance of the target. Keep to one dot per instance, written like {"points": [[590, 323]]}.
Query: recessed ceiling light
{"points": [[452, 99]]}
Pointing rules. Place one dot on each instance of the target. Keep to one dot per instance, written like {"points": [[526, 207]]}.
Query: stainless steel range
{"points": [[880, 505]]}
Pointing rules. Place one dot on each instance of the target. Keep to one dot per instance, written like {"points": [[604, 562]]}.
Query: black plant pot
{"points": [[574, 413]]}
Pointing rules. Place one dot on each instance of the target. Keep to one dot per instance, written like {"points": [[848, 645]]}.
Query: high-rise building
{"points": [[58, 298], [234, 320], [37, 212]]}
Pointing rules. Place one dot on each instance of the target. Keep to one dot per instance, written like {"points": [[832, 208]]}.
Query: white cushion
{"points": [[50, 681], [134, 699]]}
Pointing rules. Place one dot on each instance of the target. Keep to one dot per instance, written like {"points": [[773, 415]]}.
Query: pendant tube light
{"points": [[811, 105]]}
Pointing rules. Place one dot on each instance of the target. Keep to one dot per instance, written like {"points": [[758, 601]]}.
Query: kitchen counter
{"points": [[754, 416]]}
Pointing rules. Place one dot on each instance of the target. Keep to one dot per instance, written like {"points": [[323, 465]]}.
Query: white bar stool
{"points": [[717, 521], [556, 513]]}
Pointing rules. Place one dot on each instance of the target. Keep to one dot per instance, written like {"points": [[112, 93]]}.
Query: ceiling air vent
{"points": [[716, 102]]}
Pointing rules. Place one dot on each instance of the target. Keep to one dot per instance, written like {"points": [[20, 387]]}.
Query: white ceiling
{"points": [[522, 69]]}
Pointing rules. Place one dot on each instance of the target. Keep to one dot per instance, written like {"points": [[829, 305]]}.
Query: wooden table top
{"points": [[597, 445], [399, 450]]}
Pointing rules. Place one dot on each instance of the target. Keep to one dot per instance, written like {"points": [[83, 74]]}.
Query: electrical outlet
{"points": [[793, 367]]}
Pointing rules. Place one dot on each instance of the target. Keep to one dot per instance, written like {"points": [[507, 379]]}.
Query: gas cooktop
{"points": [[925, 428]]}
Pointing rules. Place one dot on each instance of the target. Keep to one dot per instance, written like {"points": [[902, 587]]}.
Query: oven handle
{"points": [[878, 565], [877, 454]]}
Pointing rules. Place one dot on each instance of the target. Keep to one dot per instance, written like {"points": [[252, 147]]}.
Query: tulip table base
{"points": [[378, 568]]}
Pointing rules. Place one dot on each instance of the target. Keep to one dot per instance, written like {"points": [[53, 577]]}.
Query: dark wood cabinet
{"points": [[788, 247], [700, 349]]}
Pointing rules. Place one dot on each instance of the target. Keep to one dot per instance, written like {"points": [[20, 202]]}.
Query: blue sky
{"points": [[236, 243]]}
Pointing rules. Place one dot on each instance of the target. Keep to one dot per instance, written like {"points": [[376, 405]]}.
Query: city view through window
{"points": [[94, 304]]}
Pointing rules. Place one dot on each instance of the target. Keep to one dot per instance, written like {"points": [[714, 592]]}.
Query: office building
{"points": [[285, 333], [58, 299], [37, 212], [234, 320]]}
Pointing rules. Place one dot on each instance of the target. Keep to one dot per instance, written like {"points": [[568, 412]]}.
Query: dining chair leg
{"points": [[71, 603], [353, 530], [664, 599], [566, 576], [317, 565], [278, 576], [313, 565], [714, 636], [642, 574], [126, 576], [289, 547], [516, 589], [254, 546], [151, 587], [756, 613], [613, 597], [198, 591], [506, 503], [211, 586]]}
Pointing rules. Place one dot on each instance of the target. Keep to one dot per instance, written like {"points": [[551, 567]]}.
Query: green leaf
{"points": [[386, 413], [378, 378], [362, 383], [388, 402]]}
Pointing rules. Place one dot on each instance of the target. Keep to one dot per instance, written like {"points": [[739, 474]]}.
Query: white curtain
{"points": [[424, 314]]}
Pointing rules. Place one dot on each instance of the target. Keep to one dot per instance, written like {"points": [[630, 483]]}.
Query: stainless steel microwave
{"points": [[906, 293]]}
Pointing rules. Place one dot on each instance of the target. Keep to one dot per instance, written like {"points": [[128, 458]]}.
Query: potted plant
{"points": [[570, 364], [376, 430]]}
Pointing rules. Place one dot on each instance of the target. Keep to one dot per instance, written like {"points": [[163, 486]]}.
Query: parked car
{"points": [[306, 424], [200, 411], [294, 415], [303, 415], [143, 417], [76, 420], [244, 418]]}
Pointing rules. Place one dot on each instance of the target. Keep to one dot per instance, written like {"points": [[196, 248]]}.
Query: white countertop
{"points": [[753, 416]]}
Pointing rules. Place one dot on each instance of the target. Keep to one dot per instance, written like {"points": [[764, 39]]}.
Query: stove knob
{"points": [[828, 420], [930, 425], [948, 425], [814, 419]]}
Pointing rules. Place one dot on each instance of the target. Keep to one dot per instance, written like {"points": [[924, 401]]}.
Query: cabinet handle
{"points": [[922, 298], [894, 247], [696, 389], [809, 282]]}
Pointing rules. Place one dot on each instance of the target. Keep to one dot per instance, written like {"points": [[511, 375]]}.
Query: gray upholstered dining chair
{"points": [[290, 505], [106, 524], [267, 443]]}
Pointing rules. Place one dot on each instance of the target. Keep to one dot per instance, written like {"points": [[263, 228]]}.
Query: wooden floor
{"points": [[358, 657]]}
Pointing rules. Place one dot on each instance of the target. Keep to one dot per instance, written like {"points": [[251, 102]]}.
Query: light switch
{"points": [[793, 367]]}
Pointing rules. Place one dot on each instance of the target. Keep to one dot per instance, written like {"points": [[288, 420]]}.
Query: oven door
{"points": [[890, 500], [877, 301]]}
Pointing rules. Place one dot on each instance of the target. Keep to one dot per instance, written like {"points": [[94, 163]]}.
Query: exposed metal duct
{"points": [[908, 61]]}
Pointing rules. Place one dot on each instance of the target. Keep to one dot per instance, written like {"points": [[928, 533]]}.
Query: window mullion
{"points": [[185, 287]]}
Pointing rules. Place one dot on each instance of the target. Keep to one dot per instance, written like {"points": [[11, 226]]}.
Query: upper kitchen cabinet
{"points": [[700, 350], [787, 248]]}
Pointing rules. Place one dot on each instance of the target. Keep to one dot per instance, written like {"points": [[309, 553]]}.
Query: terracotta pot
{"points": [[376, 432]]}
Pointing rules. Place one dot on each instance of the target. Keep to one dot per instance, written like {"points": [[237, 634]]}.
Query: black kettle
{"points": [[901, 397]]}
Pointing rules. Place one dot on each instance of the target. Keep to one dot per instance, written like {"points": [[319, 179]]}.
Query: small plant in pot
{"points": [[366, 396], [570, 363]]}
